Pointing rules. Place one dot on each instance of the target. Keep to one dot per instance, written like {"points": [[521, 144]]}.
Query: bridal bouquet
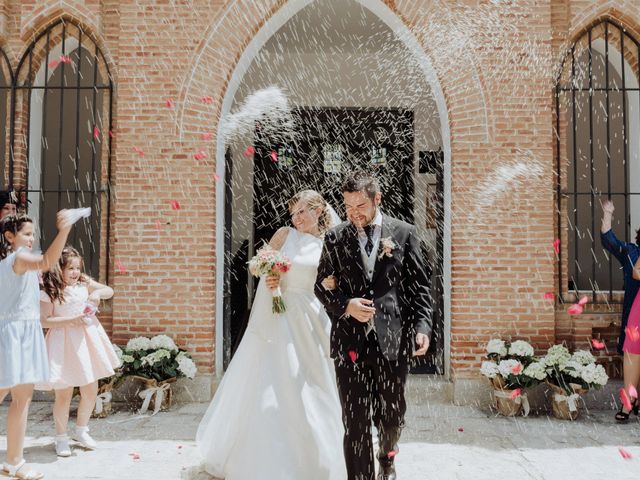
{"points": [[268, 261]]}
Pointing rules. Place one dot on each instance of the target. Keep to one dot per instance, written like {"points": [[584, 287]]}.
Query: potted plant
{"points": [[157, 362], [570, 376], [511, 368]]}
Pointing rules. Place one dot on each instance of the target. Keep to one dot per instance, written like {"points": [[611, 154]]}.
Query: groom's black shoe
{"points": [[387, 471]]}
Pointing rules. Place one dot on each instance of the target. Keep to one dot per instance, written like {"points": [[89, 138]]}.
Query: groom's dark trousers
{"points": [[371, 385]]}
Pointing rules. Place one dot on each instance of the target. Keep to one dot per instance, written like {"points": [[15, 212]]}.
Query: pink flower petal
{"points": [[249, 151], [96, 133], [583, 301], [597, 344], [274, 156], [169, 102], [120, 267], [353, 355], [216, 177], [206, 136], [207, 99], [556, 245], [65, 59], [199, 155], [633, 393], [139, 151], [175, 205], [516, 393], [516, 369], [549, 296], [625, 453], [392, 454], [460, 429], [624, 398], [53, 64], [574, 309], [111, 134]]}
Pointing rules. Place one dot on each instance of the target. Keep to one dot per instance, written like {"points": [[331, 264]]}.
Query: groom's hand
{"points": [[360, 309], [422, 341]]}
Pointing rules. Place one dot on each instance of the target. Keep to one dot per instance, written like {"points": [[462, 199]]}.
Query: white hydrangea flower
{"points": [[138, 343], [496, 346], [572, 368], [583, 357], [163, 341], [536, 370], [127, 358], [186, 365], [156, 356], [557, 355], [507, 367], [489, 369], [520, 348], [118, 351], [594, 374]]}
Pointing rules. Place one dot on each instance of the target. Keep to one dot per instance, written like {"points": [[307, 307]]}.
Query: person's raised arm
{"points": [[98, 291]]}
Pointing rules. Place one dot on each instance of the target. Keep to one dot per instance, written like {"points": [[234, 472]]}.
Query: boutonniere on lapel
{"points": [[387, 246]]}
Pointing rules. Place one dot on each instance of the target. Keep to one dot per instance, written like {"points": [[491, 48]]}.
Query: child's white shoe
{"points": [[62, 446], [82, 436]]}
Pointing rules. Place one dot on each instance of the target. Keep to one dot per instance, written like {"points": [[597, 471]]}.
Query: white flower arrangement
{"points": [[520, 348], [496, 347], [489, 369], [583, 357], [158, 358], [508, 364], [558, 355], [573, 372], [536, 370], [510, 367]]}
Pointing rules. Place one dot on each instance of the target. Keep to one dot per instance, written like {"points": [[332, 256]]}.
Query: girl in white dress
{"points": [[276, 414], [23, 355]]}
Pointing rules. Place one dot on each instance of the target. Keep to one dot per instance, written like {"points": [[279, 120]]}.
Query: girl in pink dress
{"points": [[79, 350]]}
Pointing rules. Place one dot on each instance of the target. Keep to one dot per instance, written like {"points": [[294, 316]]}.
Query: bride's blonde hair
{"points": [[313, 200]]}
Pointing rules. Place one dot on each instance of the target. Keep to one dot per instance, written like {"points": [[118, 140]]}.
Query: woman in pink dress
{"points": [[631, 351], [79, 350]]}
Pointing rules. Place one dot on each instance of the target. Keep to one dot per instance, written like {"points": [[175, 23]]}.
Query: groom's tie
{"points": [[368, 229]]}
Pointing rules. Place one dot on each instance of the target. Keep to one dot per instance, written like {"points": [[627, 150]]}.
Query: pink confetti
{"points": [[274, 156], [624, 398], [216, 177], [353, 356], [206, 136], [516, 369], [549, 296], [556, 245], [120, 267], [111, 134], [460, 429], [597, 344], [53, 64], [179, 446], [65, 59], [135, 456], [583, 301], [208, 99], [392, 454], [633, 393], [169, 102], [139, 151], [516, 393], [575, 309], [632, 333], [199, 155], [249, 151], [175, 205], [625, 453], [96, 133]]}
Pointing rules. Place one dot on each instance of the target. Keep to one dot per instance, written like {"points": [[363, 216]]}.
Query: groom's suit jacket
{"points": [[399, 289]]}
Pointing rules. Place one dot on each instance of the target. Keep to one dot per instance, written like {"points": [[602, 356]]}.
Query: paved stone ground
{"points": [[442, 441]]}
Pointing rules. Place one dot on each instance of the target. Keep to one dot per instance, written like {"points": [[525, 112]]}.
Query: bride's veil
{"points": [[335, 218]]}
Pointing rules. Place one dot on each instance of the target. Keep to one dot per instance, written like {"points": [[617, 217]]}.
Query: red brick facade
{"points": [[497, 79]]}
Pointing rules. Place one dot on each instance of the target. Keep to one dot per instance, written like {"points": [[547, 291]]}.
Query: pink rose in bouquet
{"points": [[268, 261]]}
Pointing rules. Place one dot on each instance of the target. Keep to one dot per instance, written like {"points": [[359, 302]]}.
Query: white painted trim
{"points": [[273, 25]]}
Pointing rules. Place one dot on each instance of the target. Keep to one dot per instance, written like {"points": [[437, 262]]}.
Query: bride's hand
{"points": [[329, 283], [273, 282]]}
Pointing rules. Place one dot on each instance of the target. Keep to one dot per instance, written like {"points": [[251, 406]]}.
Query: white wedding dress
{"points": [[276, 413]]}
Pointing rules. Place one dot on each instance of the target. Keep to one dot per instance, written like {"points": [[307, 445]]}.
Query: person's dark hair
{"points": [[638, 237], [360, 181], [8, 197], [53, 281], [13, 224]]}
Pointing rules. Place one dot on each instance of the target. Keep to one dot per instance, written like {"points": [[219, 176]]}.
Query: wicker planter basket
{"points": [[566, 407], [103, 405], [151, 390], [506, 403]]}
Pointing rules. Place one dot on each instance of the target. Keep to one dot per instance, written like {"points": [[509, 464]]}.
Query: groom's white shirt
{"points": [[369, 261]]}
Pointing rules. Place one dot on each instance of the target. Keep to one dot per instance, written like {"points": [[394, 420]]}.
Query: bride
{"points": [[276, 413]]}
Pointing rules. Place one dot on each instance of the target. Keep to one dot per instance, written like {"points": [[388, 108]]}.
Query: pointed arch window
{"points": [[597, 123], [62, 141], [6, 84]]}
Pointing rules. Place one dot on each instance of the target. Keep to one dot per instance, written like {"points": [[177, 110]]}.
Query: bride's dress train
{"points": [[276, 414]]}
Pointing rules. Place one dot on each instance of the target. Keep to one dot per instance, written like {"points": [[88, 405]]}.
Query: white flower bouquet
{"points": [[157, 358], [573, 373], [268, 261]]}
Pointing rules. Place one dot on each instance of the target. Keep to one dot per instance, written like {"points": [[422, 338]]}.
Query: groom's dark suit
{"points": [[399, 288]]}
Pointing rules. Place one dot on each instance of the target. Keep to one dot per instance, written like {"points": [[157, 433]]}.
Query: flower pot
{"points": [[566, 407], [509, 403], [103, 405], [155, 396]]}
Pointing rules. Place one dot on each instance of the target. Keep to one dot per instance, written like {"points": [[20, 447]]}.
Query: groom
{"points": [[381, 315]]}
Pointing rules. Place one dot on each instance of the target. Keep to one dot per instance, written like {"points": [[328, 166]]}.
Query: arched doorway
{"points": [[342, 67]]}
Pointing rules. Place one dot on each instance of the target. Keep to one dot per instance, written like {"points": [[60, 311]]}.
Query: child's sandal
{"points": [[17, 472]]}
